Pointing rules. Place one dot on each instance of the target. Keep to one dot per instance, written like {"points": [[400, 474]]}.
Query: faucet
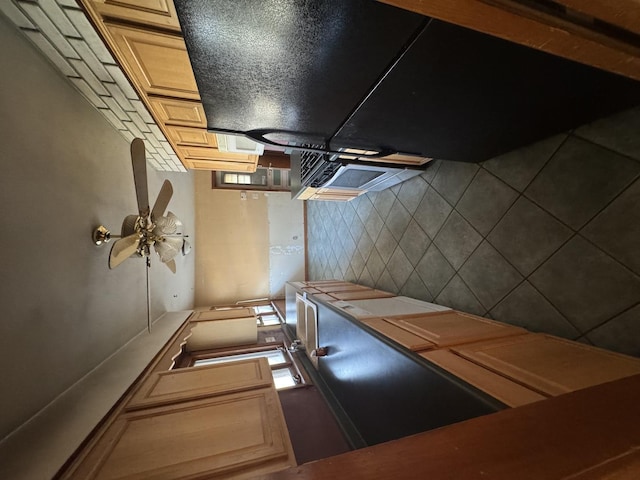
{"points": [[296, 346]]}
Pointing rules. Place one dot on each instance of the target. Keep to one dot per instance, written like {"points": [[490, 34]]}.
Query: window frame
{"points": [[300, 379]]}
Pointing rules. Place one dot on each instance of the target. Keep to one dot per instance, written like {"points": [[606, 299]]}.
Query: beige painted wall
{"points": [[231, 244], [63, 170]]}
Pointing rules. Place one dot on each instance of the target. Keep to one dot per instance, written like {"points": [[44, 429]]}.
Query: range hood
{"points": [[238, 144]]}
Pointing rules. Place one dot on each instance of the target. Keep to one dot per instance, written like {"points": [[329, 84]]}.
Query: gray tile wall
{"points": [[546, 237]]}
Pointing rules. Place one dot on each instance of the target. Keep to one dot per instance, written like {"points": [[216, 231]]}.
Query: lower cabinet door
{"points": [[452, 327], [230, 436], [549, 365]]}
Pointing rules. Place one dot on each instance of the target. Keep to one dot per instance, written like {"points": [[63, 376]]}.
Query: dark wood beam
{"points": [[576, 29]]}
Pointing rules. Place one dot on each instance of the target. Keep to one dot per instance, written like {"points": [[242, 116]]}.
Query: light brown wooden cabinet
{"points": [[194, 423], [172, 111], [362, 295], [547, 364], [189, 136], [222, 328], [158, 62], [501, 388], [405, 338], [159, 13], [146, 41], [205, 381], [329, 194], [203, 153], [528, 368], [453, 327]]}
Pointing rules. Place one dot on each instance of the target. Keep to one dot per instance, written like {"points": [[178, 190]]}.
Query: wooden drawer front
{"points": [[406, 339], [178, 112], [320, 283], [223, 314], [160, 13], [403, 159], [325, 297], [507, 391], [158, 62], [221, 165], [201, 153], [453, 328], [550, 365], [197, 137], [234, 436], [345, 287], [335, 194], [197, 382], [361, 295]]}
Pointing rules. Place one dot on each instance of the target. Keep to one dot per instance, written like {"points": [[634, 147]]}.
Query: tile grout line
{"points": [[636, 275], [621, 312], [605, 147]]}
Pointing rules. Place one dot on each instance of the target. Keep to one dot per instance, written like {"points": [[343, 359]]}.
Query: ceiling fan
{"points": [[149, 228]]}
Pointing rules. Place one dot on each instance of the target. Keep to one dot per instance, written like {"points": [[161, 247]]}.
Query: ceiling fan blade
{"points": [[139, 162], [168, 247], [172, 265], [123, 249], [163, 200]]}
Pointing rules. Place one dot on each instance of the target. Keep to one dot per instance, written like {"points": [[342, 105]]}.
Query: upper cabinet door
{"points": [[158, 63], [197, 137], [172, 111], [550, 365], [159, 13], [453, 328]]}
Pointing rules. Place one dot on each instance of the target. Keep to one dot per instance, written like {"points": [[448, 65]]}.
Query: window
{"points": [[274, 357], [263, 178], [283, 370], [266, 315], [237, 178]]}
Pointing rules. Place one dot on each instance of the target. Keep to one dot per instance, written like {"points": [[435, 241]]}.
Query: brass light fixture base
{"points": [[101, 235]]}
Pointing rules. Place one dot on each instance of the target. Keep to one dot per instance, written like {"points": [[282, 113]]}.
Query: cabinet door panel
{"points": [[178, 112], [550, 365], [362, 295], [233, 436], [403, 337], [223, 165], [452, 327], [507, 391], [197, 137], [201, 153], [346, 287], [223, 314], [160, 13], [159, 63], [198, 382]]}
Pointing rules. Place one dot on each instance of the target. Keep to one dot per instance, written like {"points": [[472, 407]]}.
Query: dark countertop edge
{"points": [[485, 397], [350, 432]]}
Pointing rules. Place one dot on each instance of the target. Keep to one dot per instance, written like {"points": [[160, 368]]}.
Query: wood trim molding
{"points": [[575, 40]]}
